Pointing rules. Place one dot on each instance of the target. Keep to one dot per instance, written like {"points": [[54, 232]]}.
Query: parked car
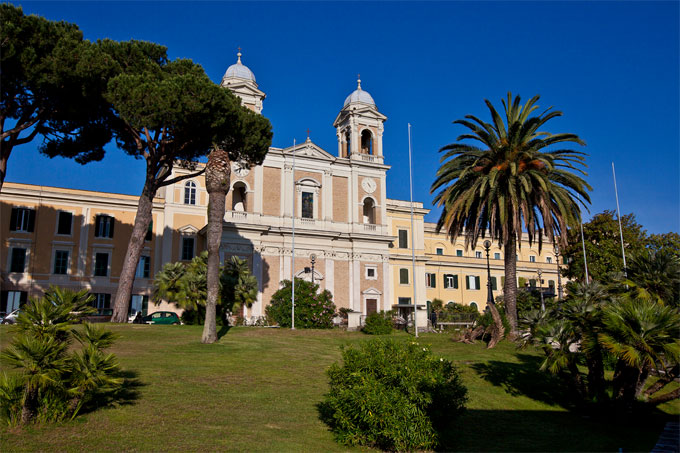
{"points": [[11, 318], [162, 317]]}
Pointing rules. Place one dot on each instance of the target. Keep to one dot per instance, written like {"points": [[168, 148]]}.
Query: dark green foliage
{"points": [[313, 309], [603, 246], [56, 382], [186, 286], [653, 275], [393, 396], [378, 323], [51, 85]]}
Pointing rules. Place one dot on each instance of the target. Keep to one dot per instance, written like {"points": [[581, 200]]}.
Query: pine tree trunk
{"points": [[510, 285], [4, 156], [143, 218], [217, 176]]}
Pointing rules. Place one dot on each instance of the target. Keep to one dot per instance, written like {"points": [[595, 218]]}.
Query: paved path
{"points": [[669, 441]]}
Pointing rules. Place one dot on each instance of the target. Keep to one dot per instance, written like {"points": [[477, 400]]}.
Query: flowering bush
{"points": [[393, 396], [378, 323], [313, 309]]}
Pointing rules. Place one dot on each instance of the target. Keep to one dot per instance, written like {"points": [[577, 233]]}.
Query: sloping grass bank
{"points": [[257, 390]]}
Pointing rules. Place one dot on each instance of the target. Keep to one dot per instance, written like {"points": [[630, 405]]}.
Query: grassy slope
{"points": [[256, 390]]}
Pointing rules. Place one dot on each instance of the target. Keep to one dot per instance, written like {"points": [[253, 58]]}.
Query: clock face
{"points": [[240, 169], [369, 185]]}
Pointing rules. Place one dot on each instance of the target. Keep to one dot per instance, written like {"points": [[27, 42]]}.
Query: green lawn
{"points": [[257, 390]]}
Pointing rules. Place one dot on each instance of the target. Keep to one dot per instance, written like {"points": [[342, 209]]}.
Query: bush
{"points": [[313, 309], [56, 381], [378, 323], [392, 395]]}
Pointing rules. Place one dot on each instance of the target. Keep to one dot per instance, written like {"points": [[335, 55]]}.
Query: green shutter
{"points": [[477, 285], [455, 281]]}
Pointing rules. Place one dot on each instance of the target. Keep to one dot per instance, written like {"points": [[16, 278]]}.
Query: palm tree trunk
{"points": [[143, 218], [510, 285], [596, 382], [497, 330], [664, 380], [217, 176], [665, 397], [30, 406]]}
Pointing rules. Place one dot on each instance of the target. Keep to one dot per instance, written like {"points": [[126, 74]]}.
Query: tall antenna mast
{"points": [[413, 236], [618, 213]]}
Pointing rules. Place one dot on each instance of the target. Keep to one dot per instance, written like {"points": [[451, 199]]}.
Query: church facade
{"points": [[304, 211]]}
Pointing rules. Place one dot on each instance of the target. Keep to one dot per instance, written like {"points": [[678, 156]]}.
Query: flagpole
{"points": [[413, 236], [618, 213], [292, 258], [583, 242]]}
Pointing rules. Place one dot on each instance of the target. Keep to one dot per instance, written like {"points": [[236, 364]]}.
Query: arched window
{"points": [[239, 198], [348, 144], [190, 192], [369, 211], [474, 305], [366, 142]]}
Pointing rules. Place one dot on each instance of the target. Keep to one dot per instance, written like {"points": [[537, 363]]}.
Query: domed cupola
{"points": [[241, 81], [239, 70], [359, 95], [359, 127]]}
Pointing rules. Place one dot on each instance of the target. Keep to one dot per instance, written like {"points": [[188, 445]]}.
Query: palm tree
{"points": [[510, 183], [655, 275], [644, 335], [217, 176]]}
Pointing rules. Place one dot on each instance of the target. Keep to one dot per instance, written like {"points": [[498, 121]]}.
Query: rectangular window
{"points": [[450, 281], [403, 239], [440, 251], [139, 303], [61, 262], [494, 284], [307, 205], [551, 284], [532, 259], [496, 256], [478, 254], [459, 253], [472, 282], [18, 261], [143, 267], [187, 249], [548, 259], [101, 264], [102, 300], [532, 283], [149, 232], [64, 220], [403, 276], [103, 226], [404, 301], [15, 299], [22, 219], [371, 273], [430, 280]]}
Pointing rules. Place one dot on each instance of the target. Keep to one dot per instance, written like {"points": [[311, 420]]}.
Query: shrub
{"points": [[392, 395], [313, 309], [56, 383], [378, 323]]}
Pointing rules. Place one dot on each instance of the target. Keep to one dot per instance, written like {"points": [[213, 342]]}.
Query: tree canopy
{"points": [[51, 86]]}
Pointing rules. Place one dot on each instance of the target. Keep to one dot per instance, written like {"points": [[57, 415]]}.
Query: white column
{"points": [[157, 240], [356, 279], [387, 286], [257, 272], [284, 266], [287, 185], [167, 238], [82, 245], [329, 278], [327, 190]]}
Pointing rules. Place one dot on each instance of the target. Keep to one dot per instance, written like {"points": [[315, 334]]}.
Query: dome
{"points": [[359, 95], [239, 70]]}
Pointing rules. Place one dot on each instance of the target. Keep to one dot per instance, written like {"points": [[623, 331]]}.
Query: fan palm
{"points": [[510, 183], [644, 335], [655, 276]]}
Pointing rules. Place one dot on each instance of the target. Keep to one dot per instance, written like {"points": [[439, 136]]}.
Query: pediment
{"points": [[371, 292], [309, 149], [365, 111], [243, 88]]}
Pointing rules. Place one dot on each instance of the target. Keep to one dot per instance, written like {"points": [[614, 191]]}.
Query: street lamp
{"points": [[540, 289], [559, 277], [489, 297], [313, 259]]}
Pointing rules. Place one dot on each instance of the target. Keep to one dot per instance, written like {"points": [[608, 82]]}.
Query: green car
{"points": [[162, 317]]}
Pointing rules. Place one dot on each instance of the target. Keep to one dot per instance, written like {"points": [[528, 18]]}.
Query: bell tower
{"points": [[359, 127], [241, 81]]}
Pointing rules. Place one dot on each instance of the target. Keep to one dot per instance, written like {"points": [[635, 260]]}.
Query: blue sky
{"points": [[612, 68]]}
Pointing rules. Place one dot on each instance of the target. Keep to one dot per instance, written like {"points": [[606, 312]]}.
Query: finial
{"points": [[307, 134], [358, 81], [239, 54]]}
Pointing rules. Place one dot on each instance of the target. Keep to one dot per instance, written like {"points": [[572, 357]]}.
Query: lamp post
{"points": [[313, 259], [540, 289], [559, 277], [489, 297]]}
